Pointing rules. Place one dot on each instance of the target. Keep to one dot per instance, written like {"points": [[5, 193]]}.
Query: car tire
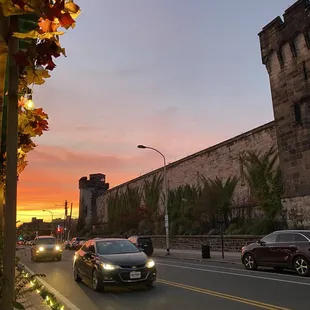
{"points": [[96, 284], [76, 276], [59, 258], [301, 266], [249, 262]]}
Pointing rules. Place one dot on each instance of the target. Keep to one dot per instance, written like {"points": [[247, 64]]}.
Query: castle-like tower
{"points": [[285, 49], [90, 190]]}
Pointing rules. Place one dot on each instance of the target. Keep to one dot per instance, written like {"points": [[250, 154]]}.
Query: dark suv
{"points": [[145, 244], [284, 249]]}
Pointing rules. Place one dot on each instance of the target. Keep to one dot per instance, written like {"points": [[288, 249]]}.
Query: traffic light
{"points": [[58, 229]]}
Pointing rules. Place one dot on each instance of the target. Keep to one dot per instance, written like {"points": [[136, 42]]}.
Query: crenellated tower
{"points": [[90, 190], [285, 49]]}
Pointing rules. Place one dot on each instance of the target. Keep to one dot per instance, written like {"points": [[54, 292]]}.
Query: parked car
{"points": [[76, 243], [145, 244], [112, 262], [46, 247], [284, 249]]}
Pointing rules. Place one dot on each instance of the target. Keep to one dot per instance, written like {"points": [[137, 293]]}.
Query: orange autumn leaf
{"points": [[48, 26]]}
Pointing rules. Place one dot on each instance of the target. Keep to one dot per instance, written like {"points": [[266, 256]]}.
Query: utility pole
{"points": [[70, 218], [65, 221], [4, 30], [11, 172]]}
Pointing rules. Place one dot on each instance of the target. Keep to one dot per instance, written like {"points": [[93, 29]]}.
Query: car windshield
{"points": [[116, 247], [46, 241], [306, 233]]}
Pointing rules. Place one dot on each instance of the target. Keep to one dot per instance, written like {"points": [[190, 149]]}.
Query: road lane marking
{"points": [[223, 296], [236, 274], [69, 305], [252, 272]]}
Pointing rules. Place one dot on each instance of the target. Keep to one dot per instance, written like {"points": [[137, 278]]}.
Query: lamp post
{"points": [[52, 219], [140, 146]]}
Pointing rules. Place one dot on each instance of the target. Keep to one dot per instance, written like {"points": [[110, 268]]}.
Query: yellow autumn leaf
{"points": [[73, 9], [36, 76], [34, 34]]}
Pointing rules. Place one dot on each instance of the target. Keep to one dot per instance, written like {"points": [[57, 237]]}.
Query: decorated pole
{"points": [[11, 172]]}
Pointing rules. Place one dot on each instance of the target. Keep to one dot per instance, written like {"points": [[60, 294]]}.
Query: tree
{"points": [[151, 194], [183, 209], [263, 175], [216, 198]]}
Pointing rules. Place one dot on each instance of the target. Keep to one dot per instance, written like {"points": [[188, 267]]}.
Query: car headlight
{"points": [[41, 249], [108, 266], [57, 247], [150, 263]]}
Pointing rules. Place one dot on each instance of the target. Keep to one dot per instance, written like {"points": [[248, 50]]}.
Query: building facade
{"points": [[90, 190], [285, 45], [285, 52]]}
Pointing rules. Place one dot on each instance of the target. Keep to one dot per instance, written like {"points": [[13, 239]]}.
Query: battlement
{"points": [[281, 33], [96, 180]]}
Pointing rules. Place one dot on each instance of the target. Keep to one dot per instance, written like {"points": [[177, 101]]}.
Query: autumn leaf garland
{"points": [[36, 59]]}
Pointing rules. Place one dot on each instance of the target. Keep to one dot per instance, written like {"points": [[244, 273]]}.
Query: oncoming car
{"points": [[46, 247], [112, 262]]}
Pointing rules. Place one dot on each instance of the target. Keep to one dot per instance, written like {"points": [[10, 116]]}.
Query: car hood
{"points": [[46, 246], [124, 259]]}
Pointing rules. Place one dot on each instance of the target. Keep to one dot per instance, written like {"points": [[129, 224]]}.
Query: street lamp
{"points": [[140, 146], [52, 219]]}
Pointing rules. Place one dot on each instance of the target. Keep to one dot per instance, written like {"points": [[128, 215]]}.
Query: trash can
{"points": [[205, 251]]}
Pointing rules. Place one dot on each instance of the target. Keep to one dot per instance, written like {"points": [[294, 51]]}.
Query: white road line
{"points": [[68, 304], [236, 274], [236, 269]]}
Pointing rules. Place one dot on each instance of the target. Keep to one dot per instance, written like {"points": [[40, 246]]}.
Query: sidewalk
{"points": [[229, 257], [33, 301]]}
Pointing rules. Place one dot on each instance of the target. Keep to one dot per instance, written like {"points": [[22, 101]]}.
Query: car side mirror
{"points": [[260, 242], [88, 254]]}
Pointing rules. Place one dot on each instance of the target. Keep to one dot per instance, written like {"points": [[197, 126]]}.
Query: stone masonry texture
{"points": [[222, 160], [285, 51], [285, 44], [231, 243]]}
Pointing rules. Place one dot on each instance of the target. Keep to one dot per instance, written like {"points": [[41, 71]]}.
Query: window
{"points": [[297, 112], [116, 247], [85, 247], [91, 247], [286, 238], [300, 238], [270, 238], [306, 233], [46, 241]]}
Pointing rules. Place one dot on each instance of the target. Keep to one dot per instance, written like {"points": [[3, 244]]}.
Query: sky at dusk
{"points": [[177, 75]]}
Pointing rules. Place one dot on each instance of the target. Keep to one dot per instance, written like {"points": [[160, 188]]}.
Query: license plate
{"points": [[135, 275]]}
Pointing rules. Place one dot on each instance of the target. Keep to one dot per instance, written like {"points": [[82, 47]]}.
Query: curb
{"points": [[67, 303], [206, 260]]}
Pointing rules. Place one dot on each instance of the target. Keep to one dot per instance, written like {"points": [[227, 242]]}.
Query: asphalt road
{"points": [[183, 285]]}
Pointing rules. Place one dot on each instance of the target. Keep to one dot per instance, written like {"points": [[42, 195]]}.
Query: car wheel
{"points": [[301, 266], [76, 276], [59, 258], [249, 262], [97, 285]]}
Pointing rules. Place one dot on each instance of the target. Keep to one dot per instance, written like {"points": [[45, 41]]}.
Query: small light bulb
{"points": [[29, 104]]}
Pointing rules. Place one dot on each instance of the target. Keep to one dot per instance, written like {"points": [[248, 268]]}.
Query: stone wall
{"points": [[221, 160], [231, 243], [90, 190], [285, 49]]}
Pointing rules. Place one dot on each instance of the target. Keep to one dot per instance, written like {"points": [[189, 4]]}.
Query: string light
{"points": [[29, 104], [49, 298]]}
